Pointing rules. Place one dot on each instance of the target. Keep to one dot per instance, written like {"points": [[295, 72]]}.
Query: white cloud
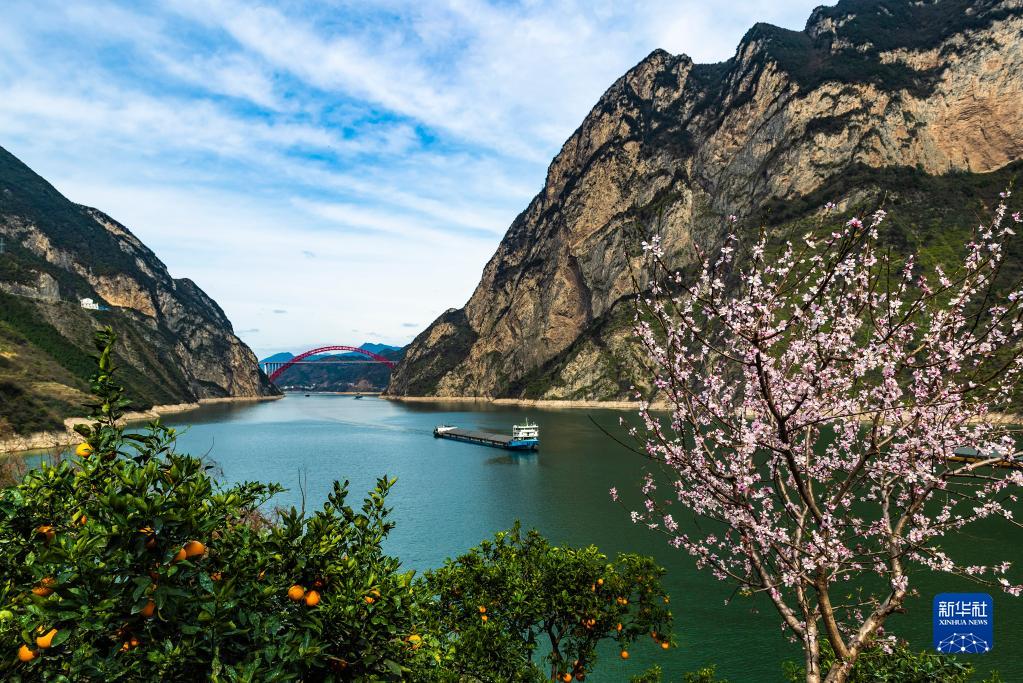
{"points": [[395, 140]]}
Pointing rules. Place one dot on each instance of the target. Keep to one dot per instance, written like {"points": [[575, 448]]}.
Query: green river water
{"points": [[451, 495]]}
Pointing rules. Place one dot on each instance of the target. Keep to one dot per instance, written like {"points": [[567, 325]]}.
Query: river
{"points": [[451, 495]]}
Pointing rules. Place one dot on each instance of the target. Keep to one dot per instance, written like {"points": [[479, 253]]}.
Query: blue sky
{"points": [[330, 172]]}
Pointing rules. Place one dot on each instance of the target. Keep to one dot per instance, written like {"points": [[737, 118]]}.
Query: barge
{"points": [[524, 437]]}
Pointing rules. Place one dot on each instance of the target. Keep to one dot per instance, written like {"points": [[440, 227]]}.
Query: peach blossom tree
{"points": [[834, 412]]}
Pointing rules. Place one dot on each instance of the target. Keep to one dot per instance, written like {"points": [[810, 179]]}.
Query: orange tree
{"points": [[128, 562], [517, 599]]}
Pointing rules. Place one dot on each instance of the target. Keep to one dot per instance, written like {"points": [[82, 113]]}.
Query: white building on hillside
{"points": [[90, 304]]}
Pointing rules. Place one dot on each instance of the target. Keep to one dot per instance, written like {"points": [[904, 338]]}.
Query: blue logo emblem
{"points": [[964, 623]]}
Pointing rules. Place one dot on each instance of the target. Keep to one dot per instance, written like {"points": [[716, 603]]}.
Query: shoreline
{"points": [[997, 418], [376, 394], [60, 439], [525, 402]]}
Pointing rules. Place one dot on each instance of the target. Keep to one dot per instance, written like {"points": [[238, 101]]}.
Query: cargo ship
{"points": [[524, 437]]}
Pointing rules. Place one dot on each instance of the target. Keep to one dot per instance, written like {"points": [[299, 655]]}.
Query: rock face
{"points": [[177, 345], [674, 147]]}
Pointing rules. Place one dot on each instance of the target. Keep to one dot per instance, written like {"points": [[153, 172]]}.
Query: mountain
{"points": [[378, 348], [282, 357], [176, 344], [918, 103]]}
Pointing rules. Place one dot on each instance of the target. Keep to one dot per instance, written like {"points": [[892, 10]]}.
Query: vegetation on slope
{"points": [[866, 28], [44, 373]]}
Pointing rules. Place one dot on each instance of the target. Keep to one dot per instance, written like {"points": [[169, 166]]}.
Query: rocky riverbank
{"points": [[59, 439]]}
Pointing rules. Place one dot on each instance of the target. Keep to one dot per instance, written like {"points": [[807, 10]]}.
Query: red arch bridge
{"points": [[274, 370]]}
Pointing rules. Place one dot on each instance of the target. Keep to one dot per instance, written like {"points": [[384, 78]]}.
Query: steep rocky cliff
{"points": [[874, 96], [176, 343]]}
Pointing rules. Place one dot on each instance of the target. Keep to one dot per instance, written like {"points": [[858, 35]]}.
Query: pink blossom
{"points": [[814, 400]]}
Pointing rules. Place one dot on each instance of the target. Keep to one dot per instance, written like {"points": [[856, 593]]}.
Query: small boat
{"points": [[524, 437], [358, 396]]}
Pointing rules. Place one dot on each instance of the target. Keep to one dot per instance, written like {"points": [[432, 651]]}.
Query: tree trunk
{"points": [[812, 649], [840, 672]]}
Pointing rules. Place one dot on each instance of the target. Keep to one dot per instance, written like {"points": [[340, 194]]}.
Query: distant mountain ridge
{"points": [[284, 356], [919, 103], [176, 344], [322, 373]]}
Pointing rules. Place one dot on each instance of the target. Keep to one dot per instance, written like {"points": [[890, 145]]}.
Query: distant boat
{"points": [[524, 437], [358, 396]]}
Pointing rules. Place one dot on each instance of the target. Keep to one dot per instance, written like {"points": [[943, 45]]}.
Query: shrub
{"points": [[516, 596], [148, 570]]}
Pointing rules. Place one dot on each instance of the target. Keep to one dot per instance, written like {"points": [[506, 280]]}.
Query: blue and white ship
{"points": [[524, 437]]}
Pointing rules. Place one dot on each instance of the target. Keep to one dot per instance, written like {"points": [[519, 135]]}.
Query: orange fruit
{"points": [[46, 640], [47, 532], [48, 582], [296, 592], [600, 582], [180, 556], [134, 642], [194, 549], [83, 450], [312, 599], [619, 627], [82, 520], [125, 647], [483, 610], [25, 654], [484, 617], [566, 677], [369, 600], [625, 654], [42, 591], [148, 611], [665, 645]]}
